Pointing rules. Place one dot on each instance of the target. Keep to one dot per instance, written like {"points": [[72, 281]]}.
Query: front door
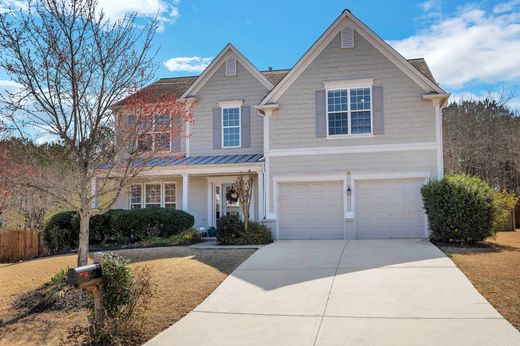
{"points": [[224, 203]]}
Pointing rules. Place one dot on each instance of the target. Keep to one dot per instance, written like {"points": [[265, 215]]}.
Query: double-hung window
{"points": [[349, 111], [231, 127], [170, 200], [136, 196], [155, 135], [153, 195]]}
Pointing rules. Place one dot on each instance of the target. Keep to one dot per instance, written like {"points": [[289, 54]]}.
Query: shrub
{"points": [[139, 224], [116, 281], [126, 294], [188, 237], [504, 202], [123, 226], [460, 209], [228, 229], [62, 231], [256, 234], [101, 229]]}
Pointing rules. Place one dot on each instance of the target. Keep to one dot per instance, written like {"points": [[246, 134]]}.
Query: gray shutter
{"points": [[176, 142], [245, 126], [378, 110], [217, 128], [321, 114]]}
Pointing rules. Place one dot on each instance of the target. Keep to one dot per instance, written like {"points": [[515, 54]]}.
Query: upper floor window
{"points": [[155, 136], [349, 111], [231, 127]]}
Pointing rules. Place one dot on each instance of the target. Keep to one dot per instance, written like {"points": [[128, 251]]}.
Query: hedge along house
{"points": [[341, 143]]}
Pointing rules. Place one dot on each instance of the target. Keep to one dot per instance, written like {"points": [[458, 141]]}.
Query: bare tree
{"points": [[244, 185], [483, 138], [72, 65]]}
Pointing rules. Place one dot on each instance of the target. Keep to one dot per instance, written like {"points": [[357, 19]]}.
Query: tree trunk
{"points": [[83, 239]]}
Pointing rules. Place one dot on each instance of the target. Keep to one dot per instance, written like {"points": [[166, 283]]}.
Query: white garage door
{"points": [[311, 210], [389, 209]]}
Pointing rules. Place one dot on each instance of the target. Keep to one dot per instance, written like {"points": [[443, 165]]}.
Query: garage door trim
{"points": [[306, 179], [386, 176]]}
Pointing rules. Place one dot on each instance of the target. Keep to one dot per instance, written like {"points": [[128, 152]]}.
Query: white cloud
{"points": [[430, 5], [15, 5], [167, 11], [187, 64], [506, 6], [470, 46], [8, 85]]}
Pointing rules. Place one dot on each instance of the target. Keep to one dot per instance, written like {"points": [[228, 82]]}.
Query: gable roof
{"points": [[415, 68], [209, 71], [421, 65]]}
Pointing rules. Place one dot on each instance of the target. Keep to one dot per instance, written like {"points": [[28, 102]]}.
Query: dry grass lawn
{"points": [[495, 272], [184, 278]]}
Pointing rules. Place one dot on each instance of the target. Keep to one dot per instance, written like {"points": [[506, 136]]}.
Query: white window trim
{"points": [[160, 193], [163, 194], [348, 86], [130, 204], [230, 103], [231, 127], [349, 83], [143, 193], [153, 133]]}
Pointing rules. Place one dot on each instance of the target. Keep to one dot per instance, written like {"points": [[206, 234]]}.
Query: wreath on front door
{"points": [[232, 196]]}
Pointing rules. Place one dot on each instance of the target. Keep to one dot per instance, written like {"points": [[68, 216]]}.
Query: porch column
{"points": [[185, 192], [261, 206]]}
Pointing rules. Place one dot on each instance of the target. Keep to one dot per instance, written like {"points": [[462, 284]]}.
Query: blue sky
{"points": [[473, 47]]}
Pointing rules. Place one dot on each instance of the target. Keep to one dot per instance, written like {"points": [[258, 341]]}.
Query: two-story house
{"points": [[341, 143]]}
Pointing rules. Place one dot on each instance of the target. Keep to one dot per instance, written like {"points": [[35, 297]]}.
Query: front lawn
{"points": [[184, 278], [494, 270]]}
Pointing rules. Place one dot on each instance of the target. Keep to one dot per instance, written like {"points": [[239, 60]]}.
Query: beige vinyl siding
{"points": [[243, 86], [382, 162], [408, 118], [199, 200]]}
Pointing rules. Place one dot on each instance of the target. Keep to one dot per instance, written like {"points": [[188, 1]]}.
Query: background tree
{"points": [[72, 65], [482, 138], [244, 185], [26, 207]]}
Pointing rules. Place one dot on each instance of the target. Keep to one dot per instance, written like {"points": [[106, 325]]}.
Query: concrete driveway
{"points": [[360, 292]]}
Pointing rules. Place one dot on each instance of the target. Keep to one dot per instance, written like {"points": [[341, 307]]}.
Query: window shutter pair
{"points": [[377, 111], [245, 127]]}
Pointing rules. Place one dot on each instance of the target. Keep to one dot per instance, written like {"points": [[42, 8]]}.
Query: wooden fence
{"points": [[18, 245]]}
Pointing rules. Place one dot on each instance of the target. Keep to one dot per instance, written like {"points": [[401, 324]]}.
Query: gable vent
{"points": [[231, 67], [347, 38]]}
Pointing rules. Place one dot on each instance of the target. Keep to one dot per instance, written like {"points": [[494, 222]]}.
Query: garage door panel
{"points": [[389, 209], [311, 210]]}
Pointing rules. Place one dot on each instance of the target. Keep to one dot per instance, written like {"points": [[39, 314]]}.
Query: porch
{"points": [[198, 185]]}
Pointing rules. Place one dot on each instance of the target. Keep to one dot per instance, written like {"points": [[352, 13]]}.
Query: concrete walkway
{"points": [[373, 292]]}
